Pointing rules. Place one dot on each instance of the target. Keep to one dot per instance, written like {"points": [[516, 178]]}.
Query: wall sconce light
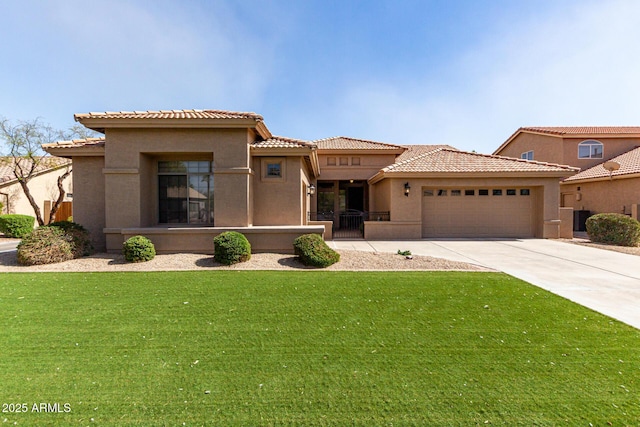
{"points": [[407, 187], [311, 190]]}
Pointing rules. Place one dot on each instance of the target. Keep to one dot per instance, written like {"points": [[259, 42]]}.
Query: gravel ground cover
{"points": [[349, 261]]}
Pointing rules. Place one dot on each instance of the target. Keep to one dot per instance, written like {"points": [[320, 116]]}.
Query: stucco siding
{"points": [[89, 198], [545, 148], [607, 196]]}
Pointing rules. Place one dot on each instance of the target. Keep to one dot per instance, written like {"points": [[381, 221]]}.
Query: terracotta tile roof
{"points": [[169, 114], [48, 163], [283, 142], [346, 143], [77, 143], [629, 164], [447, 160], [418, 150], [583, 130]]}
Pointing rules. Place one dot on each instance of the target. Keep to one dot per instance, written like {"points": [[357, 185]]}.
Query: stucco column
{"points": [[551, 211]]}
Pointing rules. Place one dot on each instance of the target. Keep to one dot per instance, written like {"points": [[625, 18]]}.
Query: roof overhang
{"points": [[362, 151], [601, 178], [101, 124], [468, 175]]}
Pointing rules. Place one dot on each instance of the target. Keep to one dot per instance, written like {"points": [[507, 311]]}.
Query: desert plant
{"points": [[404, 253], [138, 249], [314, 251], [80, 238], [45, 245], [16, 225], [231, 247], [612, 228]]}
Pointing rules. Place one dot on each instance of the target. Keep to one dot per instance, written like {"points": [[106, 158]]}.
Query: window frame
{"points": [[186, 176], [265, 164], [527, 155], [591, 144]]}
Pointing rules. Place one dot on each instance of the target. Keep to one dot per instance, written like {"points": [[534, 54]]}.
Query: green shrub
{"points": [[138, 249], [15, 225], [231, 247], [313, 251], [80, 238], [45, 245], [612, 228]]}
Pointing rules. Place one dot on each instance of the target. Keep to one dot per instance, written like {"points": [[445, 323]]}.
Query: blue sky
{"points": [[461, 72]]}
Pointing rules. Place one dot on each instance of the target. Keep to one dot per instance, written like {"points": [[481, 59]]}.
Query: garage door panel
{"points": [[493, 215]]}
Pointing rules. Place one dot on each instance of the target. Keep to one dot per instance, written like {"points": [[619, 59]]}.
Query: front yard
{"points": [[308, 348]]}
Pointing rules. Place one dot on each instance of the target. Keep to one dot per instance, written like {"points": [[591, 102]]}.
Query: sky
{"points": [[467, 73]]}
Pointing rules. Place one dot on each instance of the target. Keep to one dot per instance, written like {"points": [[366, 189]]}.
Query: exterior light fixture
{"points": [[311, 190], [407, 187]]}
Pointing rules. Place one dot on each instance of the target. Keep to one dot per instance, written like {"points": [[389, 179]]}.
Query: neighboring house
{"points": [[43, 187], [180, 177], [601, 186]]}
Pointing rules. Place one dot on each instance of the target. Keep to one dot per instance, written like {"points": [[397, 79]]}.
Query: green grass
{"points": [[309, 348]]}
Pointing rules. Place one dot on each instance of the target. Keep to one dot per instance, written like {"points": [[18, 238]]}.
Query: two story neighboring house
{"points": [[608, 157], [181, 177]]}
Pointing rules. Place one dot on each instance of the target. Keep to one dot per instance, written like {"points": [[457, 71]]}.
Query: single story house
{"points": [[43, 187], [181, 177], [607, 156]]}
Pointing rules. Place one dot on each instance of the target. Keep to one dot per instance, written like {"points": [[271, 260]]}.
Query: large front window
{"points": [[185, 192], [590, 149]]}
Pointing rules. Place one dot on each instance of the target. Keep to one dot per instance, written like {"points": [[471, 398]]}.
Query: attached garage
{"points": [[478, 212], [446, 193]]}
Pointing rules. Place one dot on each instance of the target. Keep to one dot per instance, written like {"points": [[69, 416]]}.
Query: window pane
{"points": [[511, 192], [524, 192], [456, 192], [172, 199], [483, 192], [584, 152], [274, 170], [469, 192], [596, 151], [168, 167], [497, 192]]}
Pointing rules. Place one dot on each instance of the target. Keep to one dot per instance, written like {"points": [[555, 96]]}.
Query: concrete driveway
{"points": [[605, 281]]}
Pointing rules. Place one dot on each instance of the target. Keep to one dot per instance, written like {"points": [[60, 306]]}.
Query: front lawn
{"points": [[308, 348]]}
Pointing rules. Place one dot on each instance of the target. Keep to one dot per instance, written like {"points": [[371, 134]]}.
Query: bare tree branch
{"points": [[24, 141]]}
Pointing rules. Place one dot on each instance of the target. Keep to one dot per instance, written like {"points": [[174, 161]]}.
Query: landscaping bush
{"points": [[231, 247], [313, 251], [45, 245], [15, 225], [612, 228], [138, 249], [80, 239]]}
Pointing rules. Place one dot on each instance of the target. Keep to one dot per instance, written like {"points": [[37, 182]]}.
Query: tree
{"points": [[23, 142]]}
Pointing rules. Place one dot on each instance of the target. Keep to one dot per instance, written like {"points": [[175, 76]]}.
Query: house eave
{"points": [[601, 178]]}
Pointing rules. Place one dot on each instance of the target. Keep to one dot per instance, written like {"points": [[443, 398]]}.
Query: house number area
{"points": [[14, 408]]}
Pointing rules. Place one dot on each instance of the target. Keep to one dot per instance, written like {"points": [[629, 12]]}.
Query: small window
{"points": [[483, 192], [428, 193], [442, 192], [511, 192], [590, 149], [456, 192], [344, 161], [524, 192], [527, 156], [331, 161], [469, 192], [274, 170], [355, 161], [497, 192]]}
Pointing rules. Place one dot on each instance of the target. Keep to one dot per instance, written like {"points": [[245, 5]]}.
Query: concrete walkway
{"points": [[605, 281]]}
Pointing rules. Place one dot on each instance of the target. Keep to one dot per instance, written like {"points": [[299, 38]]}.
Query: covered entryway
{"points": [[478, 212]]}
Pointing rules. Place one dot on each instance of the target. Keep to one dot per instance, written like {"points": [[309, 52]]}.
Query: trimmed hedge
{"points": [[16, 225], [80, 238], [138, 249], [314, 251], [56, 242], [613, 228], [231, 247], [45, 245]]}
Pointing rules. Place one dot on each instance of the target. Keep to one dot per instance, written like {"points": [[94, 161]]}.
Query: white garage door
{"points": [[478, 212]]}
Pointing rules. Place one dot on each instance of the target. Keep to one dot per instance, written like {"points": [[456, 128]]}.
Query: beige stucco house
{"points": [[43, 187], [181, 177], [609, 159]]}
